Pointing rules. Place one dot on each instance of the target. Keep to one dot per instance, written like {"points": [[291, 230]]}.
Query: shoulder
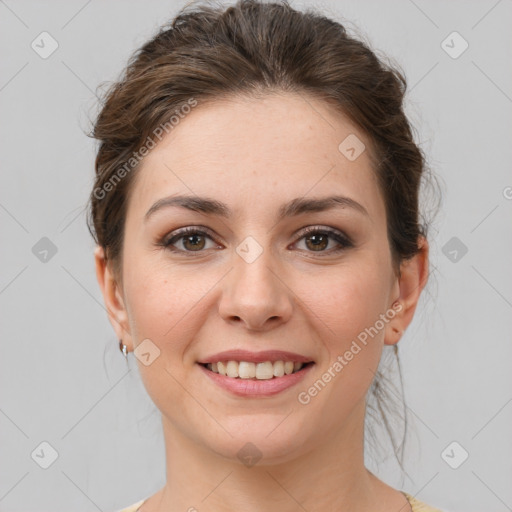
{"points": [[132, 508], [416, 505], [419, 506]]}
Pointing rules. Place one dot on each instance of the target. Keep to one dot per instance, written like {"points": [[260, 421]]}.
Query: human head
{"points": [[255, 51]]}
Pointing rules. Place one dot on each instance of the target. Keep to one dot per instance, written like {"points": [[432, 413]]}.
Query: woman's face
{"points": [[255, 281]]}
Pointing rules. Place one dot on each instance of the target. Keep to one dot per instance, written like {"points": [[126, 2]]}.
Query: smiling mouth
{"points": [[256, 371]]}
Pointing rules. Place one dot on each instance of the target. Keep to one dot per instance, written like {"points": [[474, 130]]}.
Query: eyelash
{"points": [[339, 237]]}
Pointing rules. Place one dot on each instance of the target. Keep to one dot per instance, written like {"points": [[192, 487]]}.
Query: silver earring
{"points": [[123, 349]]}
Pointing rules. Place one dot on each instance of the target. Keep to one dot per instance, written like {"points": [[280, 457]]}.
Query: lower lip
{"points": [[257, 388]]}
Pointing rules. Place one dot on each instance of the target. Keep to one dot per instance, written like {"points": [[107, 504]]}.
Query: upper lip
{"points": [[255, 357]]}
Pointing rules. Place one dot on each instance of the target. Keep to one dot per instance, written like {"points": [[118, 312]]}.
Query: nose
{"points": [[255, 294]]}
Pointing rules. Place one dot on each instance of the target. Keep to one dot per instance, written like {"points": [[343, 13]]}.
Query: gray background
{"points": [[62, 377]]}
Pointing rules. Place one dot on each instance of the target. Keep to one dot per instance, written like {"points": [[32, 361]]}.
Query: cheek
{"points": [[349, 304], [165, 307], [166, 303], [158, 304], [349, 301], [346, 308]]}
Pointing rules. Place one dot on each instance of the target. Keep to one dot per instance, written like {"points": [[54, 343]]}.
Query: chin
{"points": [[260, 439]]}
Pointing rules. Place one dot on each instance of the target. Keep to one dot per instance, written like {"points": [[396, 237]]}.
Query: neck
{"points": [[330, 476]]}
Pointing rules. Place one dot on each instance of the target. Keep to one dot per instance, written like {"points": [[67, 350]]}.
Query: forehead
{"points": [[274, 147]]}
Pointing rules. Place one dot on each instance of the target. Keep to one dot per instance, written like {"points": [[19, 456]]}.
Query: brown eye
{"points": [[317, 240], [189, 240], [193, 242]]}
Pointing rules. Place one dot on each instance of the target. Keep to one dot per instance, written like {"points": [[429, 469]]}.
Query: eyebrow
{"points": [[294, 207]]}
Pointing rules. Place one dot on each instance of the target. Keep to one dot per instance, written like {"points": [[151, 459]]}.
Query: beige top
{"points": [[416, 505]]}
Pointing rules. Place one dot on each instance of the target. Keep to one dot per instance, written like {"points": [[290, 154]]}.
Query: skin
{"points": [[254, 155]]}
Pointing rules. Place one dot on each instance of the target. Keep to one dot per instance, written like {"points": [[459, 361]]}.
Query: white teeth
{"points": [[221, 368], [278, 369], [264, 370], [232, 369], [246, 370], [261, 371]]}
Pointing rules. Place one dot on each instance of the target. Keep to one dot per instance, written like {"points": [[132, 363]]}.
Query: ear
{"points": [[112, 296], [408, 287]]}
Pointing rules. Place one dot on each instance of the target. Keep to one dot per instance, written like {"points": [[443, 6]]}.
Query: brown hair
{"points": [[254, 48]]}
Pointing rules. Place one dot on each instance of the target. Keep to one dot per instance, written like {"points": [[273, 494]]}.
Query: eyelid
{"points": [[322, 229], [181, 232], [343, 240]]}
